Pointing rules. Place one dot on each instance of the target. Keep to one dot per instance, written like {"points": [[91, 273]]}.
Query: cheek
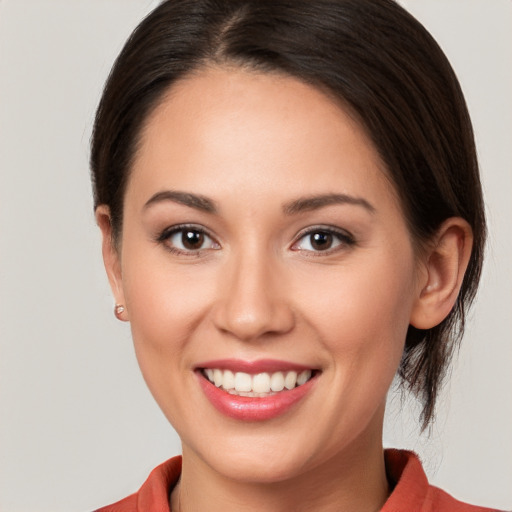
{"points": [[165, 305], [164, 302], [362, 311]]}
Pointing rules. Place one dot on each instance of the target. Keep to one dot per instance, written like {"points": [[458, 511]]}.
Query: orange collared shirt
{"points": [[411, 490]]}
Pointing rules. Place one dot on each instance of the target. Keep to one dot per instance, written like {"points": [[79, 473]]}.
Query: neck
{"points": [[352, 480]]}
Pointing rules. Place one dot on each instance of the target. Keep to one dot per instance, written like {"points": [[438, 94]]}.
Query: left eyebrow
{"points": [[195, 201], [315, 202]]}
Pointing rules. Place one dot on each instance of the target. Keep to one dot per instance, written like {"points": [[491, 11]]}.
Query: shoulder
{"points": [[439, 500], [154, 493], [128, 504], [411, 490]]}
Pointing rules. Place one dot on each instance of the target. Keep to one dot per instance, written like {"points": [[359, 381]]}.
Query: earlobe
{"points": [[111, 258], [445, 261]]}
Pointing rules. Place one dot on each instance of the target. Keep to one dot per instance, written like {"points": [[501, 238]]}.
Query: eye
{"points": [[322, 240], [187, 239]]}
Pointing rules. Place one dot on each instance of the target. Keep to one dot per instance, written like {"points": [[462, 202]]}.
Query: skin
{"points": [[253, 144]]}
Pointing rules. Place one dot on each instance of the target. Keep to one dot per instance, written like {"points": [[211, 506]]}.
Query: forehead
{"points": [[232, 129]]}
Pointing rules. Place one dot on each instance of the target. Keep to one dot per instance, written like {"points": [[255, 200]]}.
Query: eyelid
{"points": [[168, 232], [165, 233], [346, 238]]}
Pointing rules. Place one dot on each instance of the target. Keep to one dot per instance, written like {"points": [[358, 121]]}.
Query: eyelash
{"points": [[345, 239], [168, 233]]}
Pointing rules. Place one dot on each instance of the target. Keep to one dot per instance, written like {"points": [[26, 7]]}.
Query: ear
{"points": [[445, 262], [111, 258]]}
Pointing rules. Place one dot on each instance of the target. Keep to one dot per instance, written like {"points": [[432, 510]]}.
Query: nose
{"points": [[253, 299]]}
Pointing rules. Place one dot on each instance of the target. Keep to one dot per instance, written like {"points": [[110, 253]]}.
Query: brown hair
{"points": [[370, 54]]}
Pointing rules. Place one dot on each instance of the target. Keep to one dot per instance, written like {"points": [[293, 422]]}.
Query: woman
{"points": [[291, 214]]}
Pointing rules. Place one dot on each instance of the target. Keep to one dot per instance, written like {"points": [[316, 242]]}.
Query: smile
{"points": [[257, 390], [260, 385]]}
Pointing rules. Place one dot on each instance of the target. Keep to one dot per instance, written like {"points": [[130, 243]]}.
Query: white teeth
{"points": [[277, 382], [218, 377], [303, 377], [243, 381], [228, 380], [290, 380], [261, 384]]}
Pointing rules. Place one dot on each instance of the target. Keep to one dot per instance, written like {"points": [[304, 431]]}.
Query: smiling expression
{"points": [[267, 272]]}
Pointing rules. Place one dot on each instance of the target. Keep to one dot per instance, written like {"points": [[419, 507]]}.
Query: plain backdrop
{"points": [[78, 429]]}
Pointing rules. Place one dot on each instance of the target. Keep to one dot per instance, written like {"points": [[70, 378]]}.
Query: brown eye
{"points": [[321, 241], [187, 240], [192, 240]]}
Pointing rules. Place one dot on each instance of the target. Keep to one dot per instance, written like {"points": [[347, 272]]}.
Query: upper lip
{"points": [[253, 367]]}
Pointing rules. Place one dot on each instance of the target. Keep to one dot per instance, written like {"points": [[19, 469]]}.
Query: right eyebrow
{"points": [[195, 201], [321, 201]]}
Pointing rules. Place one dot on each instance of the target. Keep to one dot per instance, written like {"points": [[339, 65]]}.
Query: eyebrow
{"points": [[304, 204], [195, 201]]}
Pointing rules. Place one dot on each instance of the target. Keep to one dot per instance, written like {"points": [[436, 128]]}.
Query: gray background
{"points": [[78, 428]]}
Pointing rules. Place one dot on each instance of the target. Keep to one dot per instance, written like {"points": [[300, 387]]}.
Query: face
{"points": [[267, 272]]}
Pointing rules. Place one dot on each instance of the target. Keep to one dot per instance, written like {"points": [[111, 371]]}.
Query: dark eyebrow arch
{"points": [[185, 198], [304, 204]]}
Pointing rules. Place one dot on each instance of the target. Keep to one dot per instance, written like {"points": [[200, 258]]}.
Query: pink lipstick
{"points": [[255, 390]]}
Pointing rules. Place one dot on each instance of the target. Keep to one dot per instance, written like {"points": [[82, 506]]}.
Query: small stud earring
{"points": [[118, 311]]}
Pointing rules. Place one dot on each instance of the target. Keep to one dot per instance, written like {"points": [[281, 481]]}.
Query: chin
{"points": [[255, 468], [263, 458]]}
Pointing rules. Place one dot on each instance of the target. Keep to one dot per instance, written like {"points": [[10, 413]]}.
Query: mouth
{"points": [[255, 391], [258, 385]]}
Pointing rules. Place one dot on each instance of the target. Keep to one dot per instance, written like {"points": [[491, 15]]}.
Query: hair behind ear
{"points": [[437, 312]]}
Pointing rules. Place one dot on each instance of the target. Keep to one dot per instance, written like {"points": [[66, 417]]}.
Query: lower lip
{"points": [[253, 408]]}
